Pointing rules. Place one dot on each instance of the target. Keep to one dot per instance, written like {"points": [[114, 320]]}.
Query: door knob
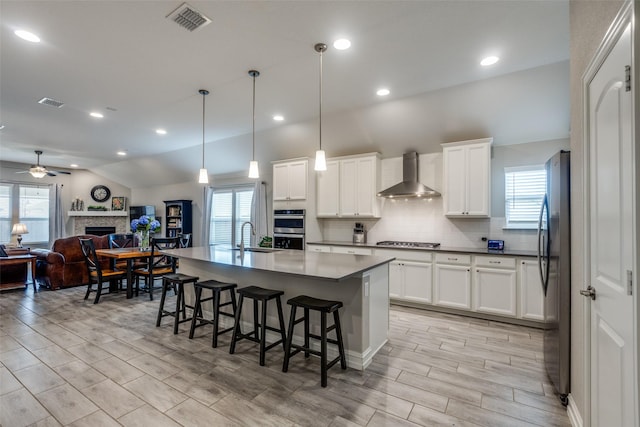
{"points": [[589, 292]]}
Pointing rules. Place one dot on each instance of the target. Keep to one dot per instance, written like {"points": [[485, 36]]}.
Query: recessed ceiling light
{"points": [[121, 153], [383, 92], [342, 44], [161, 131], [278, 118], [73, 165], [1, 127], [26, 35], [96, 115], [489, 60]]}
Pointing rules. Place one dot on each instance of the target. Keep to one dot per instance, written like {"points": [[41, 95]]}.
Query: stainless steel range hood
{"points": [[409, 187]]}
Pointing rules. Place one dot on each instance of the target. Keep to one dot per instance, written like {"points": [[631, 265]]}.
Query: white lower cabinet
{"points": [[410, 281], [531, 295], [494, 291], [453, 281]]}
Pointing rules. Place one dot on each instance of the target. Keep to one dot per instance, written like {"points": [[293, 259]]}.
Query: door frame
{"points": [[619, 24]]}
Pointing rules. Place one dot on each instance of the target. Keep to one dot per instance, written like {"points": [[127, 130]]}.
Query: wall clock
{"points": [[100, 193]]}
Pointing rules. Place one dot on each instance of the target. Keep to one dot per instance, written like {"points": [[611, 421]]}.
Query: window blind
{"points": [[524, 191], [230, 208]]}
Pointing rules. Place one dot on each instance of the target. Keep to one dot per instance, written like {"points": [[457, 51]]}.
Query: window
{"points": [[28, 204], [230, 208], [524, 190]]}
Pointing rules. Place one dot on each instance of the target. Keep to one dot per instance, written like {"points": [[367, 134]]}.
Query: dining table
{"points": [[129, 255]]}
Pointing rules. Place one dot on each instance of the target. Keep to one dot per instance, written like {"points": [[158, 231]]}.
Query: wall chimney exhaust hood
{"points": [[409, 187]]}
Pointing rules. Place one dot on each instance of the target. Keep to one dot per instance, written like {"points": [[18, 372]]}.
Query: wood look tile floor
{"points": [[65, 361]]}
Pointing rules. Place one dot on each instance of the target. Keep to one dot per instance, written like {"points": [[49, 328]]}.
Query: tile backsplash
{"points": [[423, 221]]}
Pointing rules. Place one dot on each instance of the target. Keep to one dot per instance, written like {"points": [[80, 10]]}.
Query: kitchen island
{"points": [[360, 282]]}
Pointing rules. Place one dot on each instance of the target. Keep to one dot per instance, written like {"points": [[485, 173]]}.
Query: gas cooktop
{"points": [[393, 243]]}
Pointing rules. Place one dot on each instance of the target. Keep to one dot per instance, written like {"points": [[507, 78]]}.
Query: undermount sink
{"points": [[257, 249]]}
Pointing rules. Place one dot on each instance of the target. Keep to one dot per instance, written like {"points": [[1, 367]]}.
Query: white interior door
{"points": [[611, 178]]}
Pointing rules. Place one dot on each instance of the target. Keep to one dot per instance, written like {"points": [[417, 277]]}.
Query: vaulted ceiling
{"points": [[142, 71]]}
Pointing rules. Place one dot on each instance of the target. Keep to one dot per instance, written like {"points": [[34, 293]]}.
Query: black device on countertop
{"points": [[495, 245]]}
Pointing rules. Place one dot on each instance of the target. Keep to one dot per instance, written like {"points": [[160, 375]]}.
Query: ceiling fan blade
{"points": [[22, 172], [62, 172]]}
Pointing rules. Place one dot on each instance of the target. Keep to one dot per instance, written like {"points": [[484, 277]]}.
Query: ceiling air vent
{"points": [[188, 17], [51, 102]]}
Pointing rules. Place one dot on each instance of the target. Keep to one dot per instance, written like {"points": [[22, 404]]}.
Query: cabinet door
{"points": [[495, 291], [478, 180], [453, 286], [417, 281], [281, 181], [396, 280], [454, 181], [298, 180], [348, 187], [328, 194], [366, 187], [531, 295]]}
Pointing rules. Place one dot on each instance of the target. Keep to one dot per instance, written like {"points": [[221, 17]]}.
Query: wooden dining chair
{"points": [[97, 274], [157, 264]]}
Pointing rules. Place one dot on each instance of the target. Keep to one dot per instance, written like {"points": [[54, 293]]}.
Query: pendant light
{"points": [[321, 162], [253, 164], [203, 177]]}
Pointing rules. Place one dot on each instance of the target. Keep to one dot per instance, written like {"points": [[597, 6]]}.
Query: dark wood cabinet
{"points": [[178, 219]]}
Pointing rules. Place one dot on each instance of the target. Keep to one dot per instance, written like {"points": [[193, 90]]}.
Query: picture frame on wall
{"points": [[118, 203]]}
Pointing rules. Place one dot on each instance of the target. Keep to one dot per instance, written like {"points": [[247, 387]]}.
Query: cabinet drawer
{"points": [[318, 248], [350, 250], [458, 259], [421, 256], [495, 261]]}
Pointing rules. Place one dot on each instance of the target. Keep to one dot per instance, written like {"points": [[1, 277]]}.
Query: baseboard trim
{"points": [[573, 413]]}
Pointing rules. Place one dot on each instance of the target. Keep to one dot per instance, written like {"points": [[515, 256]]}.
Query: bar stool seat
{"points": [[216, 287], [176, 281], [324, 307], [263, 295]]}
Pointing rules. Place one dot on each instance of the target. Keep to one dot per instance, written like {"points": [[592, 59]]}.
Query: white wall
{"points": [[423, 220]]}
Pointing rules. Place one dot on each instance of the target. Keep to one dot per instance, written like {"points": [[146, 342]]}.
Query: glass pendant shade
{"points": [[253, 169], [321, 161], [203, 177]]}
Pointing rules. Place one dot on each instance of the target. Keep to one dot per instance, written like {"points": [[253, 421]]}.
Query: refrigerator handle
{"points": [[543, 279]]}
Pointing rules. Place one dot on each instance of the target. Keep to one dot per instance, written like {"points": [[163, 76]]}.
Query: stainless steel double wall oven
{"points": [[288, 228]]}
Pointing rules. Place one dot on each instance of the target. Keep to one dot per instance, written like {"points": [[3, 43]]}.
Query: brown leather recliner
{"points": [[64, 266]]}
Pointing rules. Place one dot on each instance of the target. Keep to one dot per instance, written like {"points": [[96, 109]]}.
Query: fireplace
{"points": [[99, 231]]}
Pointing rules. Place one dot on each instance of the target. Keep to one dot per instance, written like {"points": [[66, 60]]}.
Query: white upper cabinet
{"points": [[290, 180], [348, 188], [328, 195], [467, 178]]}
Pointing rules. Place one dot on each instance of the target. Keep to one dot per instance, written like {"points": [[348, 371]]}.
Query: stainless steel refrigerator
{"points": [[554, 260]]}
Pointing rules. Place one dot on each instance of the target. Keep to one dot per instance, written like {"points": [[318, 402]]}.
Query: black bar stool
{"points": [[324, 307], [175, 281], [258, 294], [216, 288]]}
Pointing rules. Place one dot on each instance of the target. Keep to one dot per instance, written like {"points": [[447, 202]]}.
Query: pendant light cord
{"points": [[320, 108], [253, 124]]}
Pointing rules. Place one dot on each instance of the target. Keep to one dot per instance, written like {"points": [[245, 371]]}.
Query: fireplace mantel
{"points": [[83, 219], [97, 213]]}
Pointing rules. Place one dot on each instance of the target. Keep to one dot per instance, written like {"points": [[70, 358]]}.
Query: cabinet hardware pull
{"points": [[452, 259], [494, 262]]}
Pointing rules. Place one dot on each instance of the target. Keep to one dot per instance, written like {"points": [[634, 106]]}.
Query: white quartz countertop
{"points": [[303, 263]]}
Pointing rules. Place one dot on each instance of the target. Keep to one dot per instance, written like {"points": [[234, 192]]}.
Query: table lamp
{"points": [[19, 229]]}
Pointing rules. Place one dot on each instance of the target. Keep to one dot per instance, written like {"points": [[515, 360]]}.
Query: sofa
{"points": [[63, 265]]}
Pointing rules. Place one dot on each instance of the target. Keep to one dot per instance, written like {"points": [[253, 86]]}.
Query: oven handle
{"points": [[288, 235], [288, 217]]}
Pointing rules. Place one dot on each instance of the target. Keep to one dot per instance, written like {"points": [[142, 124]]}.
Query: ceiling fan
{"points": [[38, 171]]}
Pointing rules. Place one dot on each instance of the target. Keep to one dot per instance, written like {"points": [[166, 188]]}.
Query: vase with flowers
{"points": [[143, 226]]}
